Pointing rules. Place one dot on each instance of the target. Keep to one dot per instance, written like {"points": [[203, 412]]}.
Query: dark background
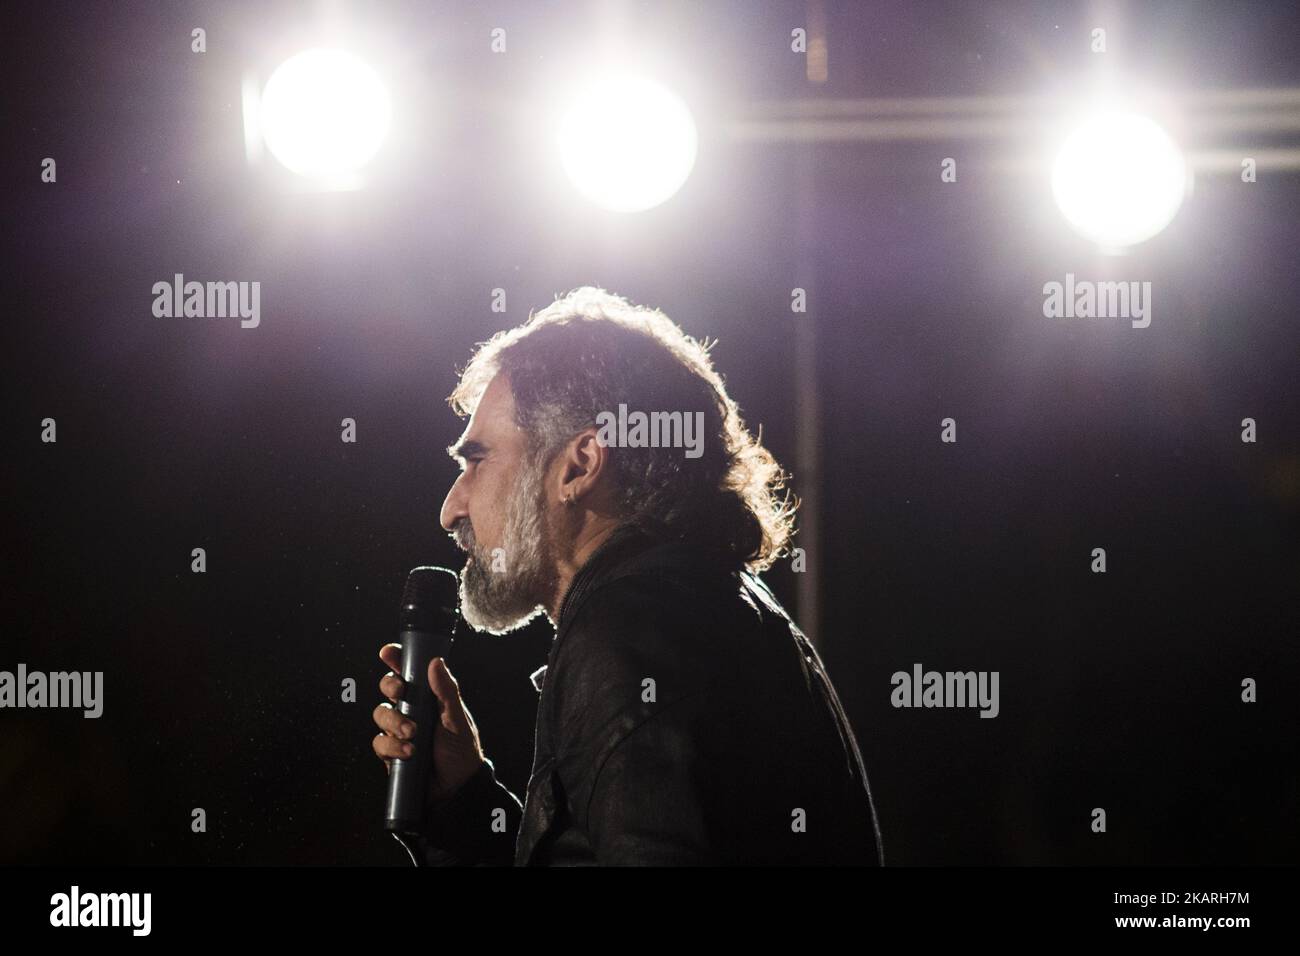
{"points": [[222, 689]]}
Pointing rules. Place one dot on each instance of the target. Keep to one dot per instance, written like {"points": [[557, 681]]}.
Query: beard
{"points": [[502, 592]]}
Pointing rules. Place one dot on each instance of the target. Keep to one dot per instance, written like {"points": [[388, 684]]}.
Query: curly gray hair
{"points": [[591, 350]]}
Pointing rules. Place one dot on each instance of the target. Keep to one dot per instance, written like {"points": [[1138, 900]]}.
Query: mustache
{"points": [[462, 533]]}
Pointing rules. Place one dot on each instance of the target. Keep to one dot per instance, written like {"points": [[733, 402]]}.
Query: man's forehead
{"points": [[496, 407], [494, 416]]}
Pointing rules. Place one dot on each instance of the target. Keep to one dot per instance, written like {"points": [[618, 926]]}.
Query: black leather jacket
{"points": [[683, 719]]}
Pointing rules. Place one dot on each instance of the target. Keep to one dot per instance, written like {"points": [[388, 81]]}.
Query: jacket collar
{"points": [[625, 541], [637, 548], [628, 546]]}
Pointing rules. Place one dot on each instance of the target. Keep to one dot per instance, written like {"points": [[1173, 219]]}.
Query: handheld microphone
{"points": [[428, 615]]}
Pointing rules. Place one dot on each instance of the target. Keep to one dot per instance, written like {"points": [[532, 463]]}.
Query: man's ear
{"points": [[584, 463]]}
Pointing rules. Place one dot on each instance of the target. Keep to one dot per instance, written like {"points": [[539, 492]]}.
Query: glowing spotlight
{"points": [[324, 113], [1119, 179], [627, 143]]}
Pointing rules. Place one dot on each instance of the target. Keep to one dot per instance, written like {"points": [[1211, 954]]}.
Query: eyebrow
{"points": [[466, 449]]}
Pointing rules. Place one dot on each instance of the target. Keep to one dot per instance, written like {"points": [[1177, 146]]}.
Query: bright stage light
{"points": [[324, 113], [627, 143], [1119, 179]]}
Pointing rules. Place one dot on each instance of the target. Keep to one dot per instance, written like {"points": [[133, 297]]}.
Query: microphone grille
{"points": [[430, 600]]}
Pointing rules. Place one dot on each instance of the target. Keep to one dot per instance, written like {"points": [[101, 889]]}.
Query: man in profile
{"points": [[683, 718]]}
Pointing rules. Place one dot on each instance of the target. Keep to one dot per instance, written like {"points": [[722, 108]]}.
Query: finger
{"points": [[391, 686], [469, 718], [447, 689], [392, 721], [391, 654], [390, 748]]}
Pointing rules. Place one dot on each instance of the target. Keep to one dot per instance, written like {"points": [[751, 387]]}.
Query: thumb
{"points": [[447, 689]]}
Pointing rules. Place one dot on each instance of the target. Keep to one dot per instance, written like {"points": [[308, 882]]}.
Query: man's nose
{"points": [[453, 507]]}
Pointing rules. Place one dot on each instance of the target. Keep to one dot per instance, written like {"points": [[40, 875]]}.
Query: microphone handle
{"points": [[408, 781]]}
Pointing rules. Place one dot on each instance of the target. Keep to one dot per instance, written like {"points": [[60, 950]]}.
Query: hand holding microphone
{"points": [[457, 754], [446, 753]]}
